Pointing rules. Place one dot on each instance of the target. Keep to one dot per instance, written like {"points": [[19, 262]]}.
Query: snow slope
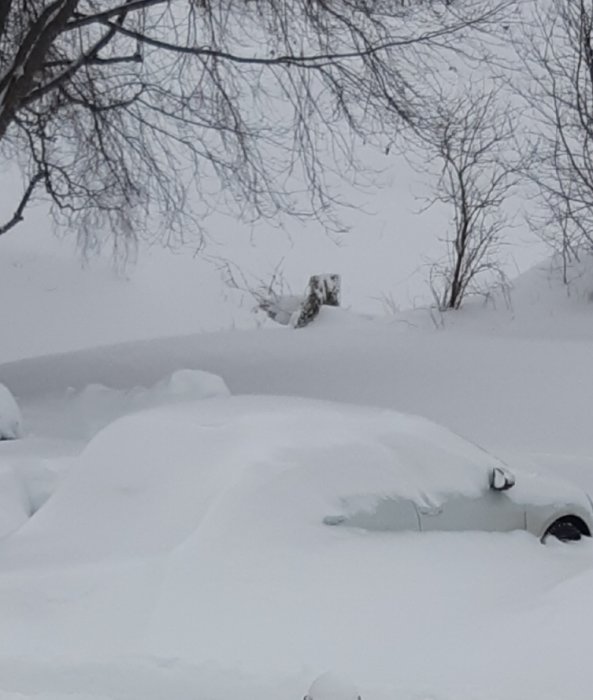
{"points": [[256, 607], [538, 304], [480, 385]]}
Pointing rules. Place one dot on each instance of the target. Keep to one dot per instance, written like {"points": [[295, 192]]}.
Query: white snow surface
{"points": [[14, 504], [153, 568], [129, 582]]}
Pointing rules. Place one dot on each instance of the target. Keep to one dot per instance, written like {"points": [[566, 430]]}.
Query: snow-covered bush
{"points": [[190, 384], [10, 416]]}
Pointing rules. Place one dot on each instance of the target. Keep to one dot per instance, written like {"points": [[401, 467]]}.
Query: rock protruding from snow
{"points": [[10, 416], [329, 686]]}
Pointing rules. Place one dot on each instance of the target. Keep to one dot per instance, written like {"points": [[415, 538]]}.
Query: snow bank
{"points": [[10, 416], [40, 477], [548, 300]]}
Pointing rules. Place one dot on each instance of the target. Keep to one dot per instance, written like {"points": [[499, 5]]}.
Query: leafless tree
{"points": [[469, 137], [129, 114], [558, 55]]}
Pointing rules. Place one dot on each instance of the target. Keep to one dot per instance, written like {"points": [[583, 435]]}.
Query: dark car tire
{"points": [[565, 530]]}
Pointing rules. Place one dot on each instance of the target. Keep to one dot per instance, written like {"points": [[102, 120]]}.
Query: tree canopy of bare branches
{"points": [[129, 114], [559, 59]]}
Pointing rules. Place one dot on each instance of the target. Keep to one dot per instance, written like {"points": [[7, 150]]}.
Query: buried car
{"points": [[338, 464], [492, 499], [562, 515], [283, 468], [346, 465]]}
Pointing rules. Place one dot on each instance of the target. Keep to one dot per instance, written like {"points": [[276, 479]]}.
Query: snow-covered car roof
{"points": [[359, 447]]}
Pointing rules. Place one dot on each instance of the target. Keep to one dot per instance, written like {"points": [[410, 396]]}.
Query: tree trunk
{"points": [[321, 290]]}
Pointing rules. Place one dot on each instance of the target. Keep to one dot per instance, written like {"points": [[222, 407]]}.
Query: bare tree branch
{"points": [[83, 20], [315, 61], [17, 217]]}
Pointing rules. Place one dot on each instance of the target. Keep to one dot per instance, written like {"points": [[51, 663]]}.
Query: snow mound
{"points": [[329, 686], [10, 416], [95, 406], [190, 384]]}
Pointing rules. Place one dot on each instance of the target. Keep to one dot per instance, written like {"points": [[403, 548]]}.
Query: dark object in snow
{"points": [[321, 290], [568, 529]]}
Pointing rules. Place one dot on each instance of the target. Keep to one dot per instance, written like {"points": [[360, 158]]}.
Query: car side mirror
{"points": [[501, 479]]}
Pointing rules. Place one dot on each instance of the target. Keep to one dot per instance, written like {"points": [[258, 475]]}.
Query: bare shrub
{"points": [[468, 138]]}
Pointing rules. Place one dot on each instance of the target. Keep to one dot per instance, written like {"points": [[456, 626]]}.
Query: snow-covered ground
{"points": [[249, 603]]}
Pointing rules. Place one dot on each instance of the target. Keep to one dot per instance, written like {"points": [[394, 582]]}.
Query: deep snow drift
{"points": [[249, 602]]}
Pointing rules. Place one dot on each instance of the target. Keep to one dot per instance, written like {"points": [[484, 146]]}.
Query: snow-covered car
{"points": [[444, 482], [244, 469], [543, 507], [389, 471]]}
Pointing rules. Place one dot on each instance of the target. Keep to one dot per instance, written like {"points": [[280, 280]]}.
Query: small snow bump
{"points": [[330, 686]]}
